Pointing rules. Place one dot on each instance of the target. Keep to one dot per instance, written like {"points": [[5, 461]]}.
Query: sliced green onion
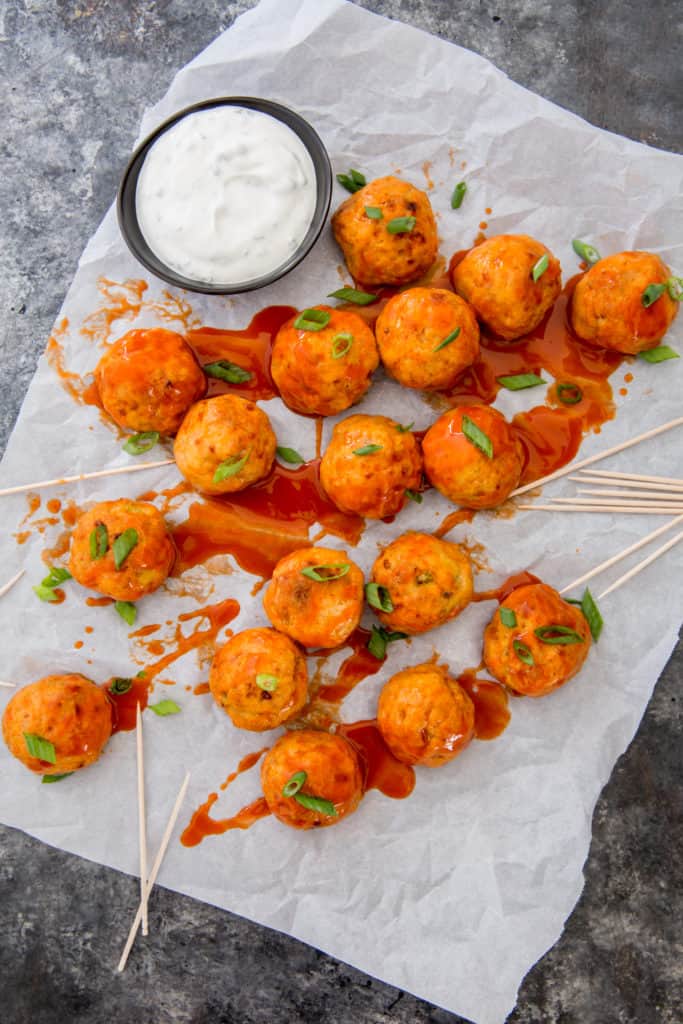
{"points": [[230, 467], [289, 455], [508, 617], [476, 436], [401, 225], [651, 294], [39, 747], [374, 212], [368, 449], [316, 803], [164, 707], [414, 496], [404, 429], [292, 787], [353, 295], [341, 345], [138, 444], [675, 288], [353, 181], [336, 571], [127, 611], [55, 778], [56, 576], [312, 320], [378, 597], [267, 682], [520, 381], [448, 339], [569, 394], [659, 354], [223, 369], [588, 253], [123, 545], [523, 652], [120, 685], [540, 266], [558, 635], [458, 195], [379, 638], [46, 593], [99, 541], [592, 615]]}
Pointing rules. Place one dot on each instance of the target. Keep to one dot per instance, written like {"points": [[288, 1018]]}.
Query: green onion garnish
{"points": [[379, 638], [99, 541], [403, 429], [569, 394], [334, 571], [520, 381], [414, 496], [46, 593], [540, 266], [508, 617], [223, 369], [164, 707], [56, 576], [378, 597], [374, 212], [675, 288], [592, 614], [448, 339], [39, 747], [316, 803], [368, 449], [289, 455], [458, 195], [312, 320], [55, 778], [652, 293], [341, 345], [477, 437], [138, 444], [353, 181], [292, 787], [523, 652], [120, 685], [353, 295], [127, 611], [659, 354], [558, 635], [123, 545], [401, 225], [230, 467], [267, 682], [588, 253]]}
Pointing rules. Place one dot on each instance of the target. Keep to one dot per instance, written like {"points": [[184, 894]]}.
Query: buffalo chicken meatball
{"points": [[311, 779], [148, 379], [323, 371], [121, 549], [387, 232], [259, 678], [497, 279], [535, 641], [315, 596], [423, 580], [225, 444], [425, 716], [473, 457], [427, 337], [607, 306], [369, 464], [58, 724]]}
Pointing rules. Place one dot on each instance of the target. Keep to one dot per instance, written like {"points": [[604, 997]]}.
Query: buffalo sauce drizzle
{"points": [[202, 824], [124, 705], [212, 618]]}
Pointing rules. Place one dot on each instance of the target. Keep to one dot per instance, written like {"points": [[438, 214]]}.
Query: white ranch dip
{"points": [[226, 195]]}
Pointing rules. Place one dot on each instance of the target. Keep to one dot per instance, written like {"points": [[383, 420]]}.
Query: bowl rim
{"points": [[126, 207]]}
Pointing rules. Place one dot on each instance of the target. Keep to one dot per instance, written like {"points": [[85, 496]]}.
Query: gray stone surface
{"points": [[75, 78]]}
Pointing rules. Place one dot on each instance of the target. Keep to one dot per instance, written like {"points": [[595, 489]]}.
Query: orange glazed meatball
{"points": [[225, 444], [369, 464], [315, 596], [496, 278], [147, 380], [427, 337], [545, 643], [121, 549], [607, 306], [457, 465], [57, 725], [321, 770], [426, 581], [324, 371], [425, 716], [394, 243], [259, 678]]}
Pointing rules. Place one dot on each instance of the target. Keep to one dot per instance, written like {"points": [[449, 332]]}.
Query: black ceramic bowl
{"points": [[130, 228]]}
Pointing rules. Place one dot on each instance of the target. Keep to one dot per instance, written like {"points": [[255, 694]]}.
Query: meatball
{"points": [[259, 678], [147, 380], [526, 643], [369, 464], [69, 713], [327, 768], [121, 549], [376, 249], [607, 307], [315, 596], [425, 716], [458, 467], [496, 278], [323, 372], [426, 581], [427, 337], [225, 444]]}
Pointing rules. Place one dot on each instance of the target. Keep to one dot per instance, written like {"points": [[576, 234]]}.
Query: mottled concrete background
{"points": [[75, 78]]}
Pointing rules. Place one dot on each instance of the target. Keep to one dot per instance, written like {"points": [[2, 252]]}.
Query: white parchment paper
{"points": [[456, 892]]}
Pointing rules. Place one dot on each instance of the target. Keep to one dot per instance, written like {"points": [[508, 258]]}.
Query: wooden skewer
{"points": [[614, 474], [155, 871], [622, 554], [632, 510], [628, 493], [673, 504], [642, 565], [142, 824], [605, 481], [572, 467], [10, 583], [135, 468], [11, 686]]}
